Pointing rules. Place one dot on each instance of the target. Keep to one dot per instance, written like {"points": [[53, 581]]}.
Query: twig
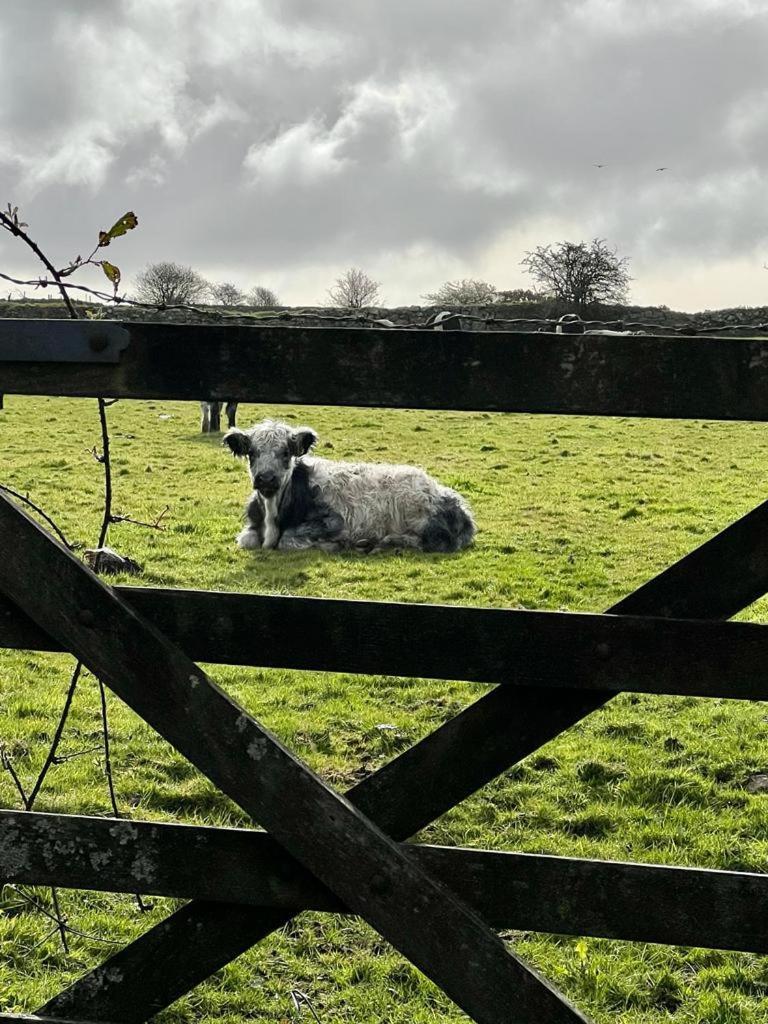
{"points": [[5, 760], [10, 222], [63, 758], [108, 773], [36, 508], [107, 756], [50, 758], [16, 230], [156, 525], [61, 921], [301, 998]]}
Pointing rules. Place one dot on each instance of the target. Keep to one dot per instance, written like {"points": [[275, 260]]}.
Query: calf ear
{"points": [[302, 440], [237, 441]]}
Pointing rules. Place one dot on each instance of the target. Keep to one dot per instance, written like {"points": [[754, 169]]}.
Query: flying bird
{"points": [[600, 165], [662, 168]]}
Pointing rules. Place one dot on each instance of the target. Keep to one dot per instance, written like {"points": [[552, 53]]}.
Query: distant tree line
{"points": [[172, 284], [576, 274]]}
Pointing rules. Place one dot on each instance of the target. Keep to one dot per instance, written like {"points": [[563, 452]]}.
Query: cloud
{"points": [[282, 141]]}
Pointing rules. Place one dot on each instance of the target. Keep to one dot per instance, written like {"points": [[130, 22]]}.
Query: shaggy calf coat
{"points": [[300, 501]]}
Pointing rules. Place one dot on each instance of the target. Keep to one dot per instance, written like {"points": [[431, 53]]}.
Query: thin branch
{"points": [[63, 758], [300, 998], [16, 230], [107, 755], [7, 763], [51, 756], [105, 460], [36, 508], [60, 919], [156, 525]]}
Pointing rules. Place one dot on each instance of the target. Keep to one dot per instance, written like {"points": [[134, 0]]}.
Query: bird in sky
{"points": [[662, 168], [600, 165]]}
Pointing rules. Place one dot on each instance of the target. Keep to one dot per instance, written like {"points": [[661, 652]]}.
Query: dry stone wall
{"points": [[316, 316]]}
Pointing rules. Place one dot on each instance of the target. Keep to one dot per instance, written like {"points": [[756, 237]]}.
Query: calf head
{"points": [[271, 448]]}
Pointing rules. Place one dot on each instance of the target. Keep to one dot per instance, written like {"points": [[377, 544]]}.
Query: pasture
{"points": [[573, 513]]}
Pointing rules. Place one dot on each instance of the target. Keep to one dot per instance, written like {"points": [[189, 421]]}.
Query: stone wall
{"points": [[660, 317]]}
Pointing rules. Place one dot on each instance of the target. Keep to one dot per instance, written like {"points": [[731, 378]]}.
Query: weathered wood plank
{"points": [[717, 579], [608, 899], [715, 378], [365, 868], [485, 645], [32, 1018]]}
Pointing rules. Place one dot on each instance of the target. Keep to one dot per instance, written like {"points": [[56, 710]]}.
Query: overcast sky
{"points": [[278, 143]]}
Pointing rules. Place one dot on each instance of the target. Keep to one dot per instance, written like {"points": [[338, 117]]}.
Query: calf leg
{"points": [[231, 411], [249, 539], [252, 534], [323, 531], [295, 540]]}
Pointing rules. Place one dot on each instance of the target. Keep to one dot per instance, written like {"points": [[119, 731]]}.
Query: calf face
{"points": [[271, 449]]}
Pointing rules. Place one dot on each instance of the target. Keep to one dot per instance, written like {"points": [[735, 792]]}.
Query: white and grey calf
{"points": [[304, 502]]}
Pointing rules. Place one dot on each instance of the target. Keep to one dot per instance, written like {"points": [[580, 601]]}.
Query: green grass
{"points": [[573, 513]]}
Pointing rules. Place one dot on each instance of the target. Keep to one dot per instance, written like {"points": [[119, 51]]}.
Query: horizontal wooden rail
{"points": [[575, 896], [33, 1018], [485, 645], [712, 378]]}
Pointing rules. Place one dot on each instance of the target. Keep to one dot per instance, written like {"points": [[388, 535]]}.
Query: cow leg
{"points": [[215, 408], [231, 410], [205, 417]]}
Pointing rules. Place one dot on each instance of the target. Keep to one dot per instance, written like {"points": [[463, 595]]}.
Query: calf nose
{"points": [[266, 481]]}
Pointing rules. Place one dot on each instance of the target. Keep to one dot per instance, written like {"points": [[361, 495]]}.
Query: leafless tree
{"points": [[261, 296], [466, 292], [580, 273], [227, 294], [170, 284], [354, 289]]}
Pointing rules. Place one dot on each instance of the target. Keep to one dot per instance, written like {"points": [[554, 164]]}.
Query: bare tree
{"points": [[261, 296], [354, 289], [170, 284], [227, 294], [580, 273], [466, 292]]}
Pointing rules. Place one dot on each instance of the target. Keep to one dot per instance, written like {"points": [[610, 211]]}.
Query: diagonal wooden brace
{"points": [[716, 580], [324, 831]]}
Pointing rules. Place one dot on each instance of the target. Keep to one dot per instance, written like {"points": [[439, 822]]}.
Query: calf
{"points": [[304, 502]]}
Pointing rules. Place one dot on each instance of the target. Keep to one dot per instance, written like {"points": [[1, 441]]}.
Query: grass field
{"points": [[573, 513]]}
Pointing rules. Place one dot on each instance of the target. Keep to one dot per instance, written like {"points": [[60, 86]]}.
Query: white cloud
{"points": [[283, 141]]}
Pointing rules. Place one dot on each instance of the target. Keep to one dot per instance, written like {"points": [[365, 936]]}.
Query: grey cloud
{"points": [[269, 137]]}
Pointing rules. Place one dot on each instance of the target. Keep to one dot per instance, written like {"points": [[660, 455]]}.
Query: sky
{"points": [[278, 142]]}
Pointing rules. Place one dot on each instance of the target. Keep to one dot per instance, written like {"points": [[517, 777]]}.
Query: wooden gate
{"points": [[347, 853]]}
